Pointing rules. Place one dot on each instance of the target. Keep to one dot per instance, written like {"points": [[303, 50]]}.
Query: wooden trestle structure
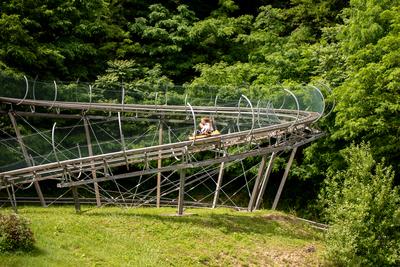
{"points": [[258, 139]]}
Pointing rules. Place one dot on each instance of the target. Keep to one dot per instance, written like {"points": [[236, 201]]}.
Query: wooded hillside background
{"points": [[351, 46]]}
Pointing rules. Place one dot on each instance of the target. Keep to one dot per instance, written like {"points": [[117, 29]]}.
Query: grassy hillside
{"points": [[150, 237]]}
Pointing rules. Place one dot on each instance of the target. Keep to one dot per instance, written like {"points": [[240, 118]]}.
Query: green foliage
{"points": [[315, 14], [362, 207], [15, 233], [369, 99], [137, 80], [73, 39], [160, 38], [225, 8], [218, 38], [266, 50], [358, 58], [64, 39]]}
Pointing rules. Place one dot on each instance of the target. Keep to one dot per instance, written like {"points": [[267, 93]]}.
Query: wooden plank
{"points": [[93, 117], [279, 147], [11, 196], [143, 107], [193, 147], [76, 199], [78, 167], [203, 163]]}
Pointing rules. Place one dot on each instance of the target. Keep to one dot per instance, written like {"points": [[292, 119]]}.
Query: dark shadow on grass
{"points": [[27, 209], [227, 223], [34, 252]]}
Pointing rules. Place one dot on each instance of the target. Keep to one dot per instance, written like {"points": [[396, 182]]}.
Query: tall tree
{"points": [[162, 37], [369, 99], [57, 39], [363, 208]]}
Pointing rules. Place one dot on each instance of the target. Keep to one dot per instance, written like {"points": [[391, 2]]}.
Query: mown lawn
{"points": [[114, 236]]}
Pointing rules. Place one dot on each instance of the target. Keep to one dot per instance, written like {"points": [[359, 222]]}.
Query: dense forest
{"points": [[348, 178]]}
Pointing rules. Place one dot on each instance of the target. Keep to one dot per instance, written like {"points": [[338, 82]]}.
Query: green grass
{"points": [[147, 237]]}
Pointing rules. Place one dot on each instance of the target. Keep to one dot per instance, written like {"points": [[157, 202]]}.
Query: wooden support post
{"points": [[181, 191], [264, 182], [289, 164], [219, 183], [256, 188], [76, 199], [26, 156], [123, 140], [90, 151], [36, 182], [159, 164], [220, 177], [11, 196], [14, 198]]}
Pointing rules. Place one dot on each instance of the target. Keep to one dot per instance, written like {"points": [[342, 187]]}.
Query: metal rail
{"points": [[292, 121], [256, 133], [148, 109]]}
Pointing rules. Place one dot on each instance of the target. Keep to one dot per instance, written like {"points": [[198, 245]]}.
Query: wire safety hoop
{"points": [[33, 107], [26, 91], [194, 122], [252, 114], [297, 104], [53, 142], [55, 95]]}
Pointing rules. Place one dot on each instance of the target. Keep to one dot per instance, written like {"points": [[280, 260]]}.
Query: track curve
{"points": [[259, 130], [57, 169]]}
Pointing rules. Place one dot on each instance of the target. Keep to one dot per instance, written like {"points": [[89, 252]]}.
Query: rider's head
{"points": [[205, 120]]}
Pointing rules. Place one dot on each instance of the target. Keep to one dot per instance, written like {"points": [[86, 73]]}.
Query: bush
{"points": [[15, 233], [363, 209]]}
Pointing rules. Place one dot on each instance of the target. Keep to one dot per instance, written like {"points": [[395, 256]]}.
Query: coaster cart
{"points": [[204, 135]]}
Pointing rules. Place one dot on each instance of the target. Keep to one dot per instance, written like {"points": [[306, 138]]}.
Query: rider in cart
{"points": [[206, 126], [206, 129]]}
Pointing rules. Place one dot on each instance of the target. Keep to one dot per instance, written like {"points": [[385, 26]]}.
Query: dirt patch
{"points": [[294, 220], [274, 257], [281, 218], [305, 256]]}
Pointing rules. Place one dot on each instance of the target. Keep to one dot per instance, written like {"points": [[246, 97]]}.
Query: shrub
{"points": [[363, 208], [15, 233]]}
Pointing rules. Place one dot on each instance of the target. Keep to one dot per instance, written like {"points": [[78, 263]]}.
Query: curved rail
{"points": [[55, 95], [53, 143], [252, 113], [26, 91], [33, 94], [291, 120], [141, 108], [194, 122], [295, 99]]}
